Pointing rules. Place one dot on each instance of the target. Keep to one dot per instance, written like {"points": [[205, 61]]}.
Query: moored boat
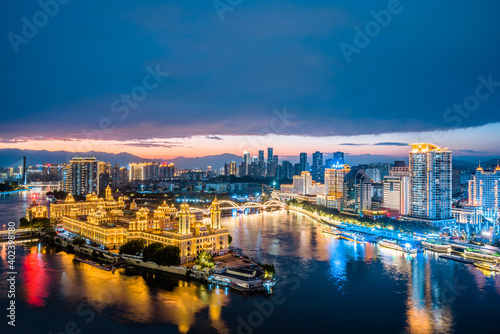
{"points": [[483, 256], [392, 244], [437, 246], [487, 266], [331, 233]]}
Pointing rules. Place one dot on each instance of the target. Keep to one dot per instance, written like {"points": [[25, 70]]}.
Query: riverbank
{"points": [[13, 191], [232, 270]]}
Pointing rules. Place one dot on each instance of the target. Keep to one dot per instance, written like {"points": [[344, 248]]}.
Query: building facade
{"points": [[484, 191], [430, 182]]}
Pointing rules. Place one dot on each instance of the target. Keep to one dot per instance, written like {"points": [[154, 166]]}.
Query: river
{"points": [[324, 285]]}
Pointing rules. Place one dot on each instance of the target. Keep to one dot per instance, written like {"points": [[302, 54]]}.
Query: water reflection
{"points": [[419, 293]]}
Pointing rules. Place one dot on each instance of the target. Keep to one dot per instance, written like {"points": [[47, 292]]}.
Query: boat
{"points": [[393, 244], [487, 266], [455, 258], [437, 246], [477, 254], [353, 236], [331, 233]]}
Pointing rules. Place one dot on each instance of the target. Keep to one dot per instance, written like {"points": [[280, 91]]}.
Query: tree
{"points": [[151, 251], [24, 223], [229, 239], [205, 260], [168, 256], [79, 241], [132, 247]]}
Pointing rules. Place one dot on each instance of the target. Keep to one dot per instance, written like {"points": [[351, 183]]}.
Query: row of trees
{"points": [[45, 225], [156, 252], [334, 214]]}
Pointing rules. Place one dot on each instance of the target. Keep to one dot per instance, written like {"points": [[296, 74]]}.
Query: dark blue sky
{"points": [[226, 76]]}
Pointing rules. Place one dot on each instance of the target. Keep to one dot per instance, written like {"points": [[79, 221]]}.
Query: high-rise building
{"points": [[396, 193], [81, 176], [118, 177], [262, 163], [287, 170], [317, 169], [166, 171], [430, 182], [357, 190], [303, 162], [246, 162], [271, 167], [484, 190], [338, 158], [334, 180], [302, 183]]}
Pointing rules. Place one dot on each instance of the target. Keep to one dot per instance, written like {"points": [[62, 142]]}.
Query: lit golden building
{"points": [[36, 210], [111, 227], [92, 202]]}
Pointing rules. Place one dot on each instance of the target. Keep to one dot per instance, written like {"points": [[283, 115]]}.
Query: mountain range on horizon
{"points": [[12, 157]]}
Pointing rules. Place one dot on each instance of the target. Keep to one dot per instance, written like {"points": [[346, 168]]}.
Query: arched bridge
{"points": [[230, 205]]}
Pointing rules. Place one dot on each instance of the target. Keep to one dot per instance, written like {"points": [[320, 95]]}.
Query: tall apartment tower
{"points": [[303, 162], [317, 167], [82, 176], [430, 182], [484, 190], [334, 180]]}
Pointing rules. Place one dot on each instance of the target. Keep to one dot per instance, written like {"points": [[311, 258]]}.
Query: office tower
{"points": [[262, 163], [270, 154], [81, 176], [303, 162], [338, 158], [430, 182], [484, 190], [396, 193], [246, 162], [270, 169], [334, 180], [317, 167], [287, 170], [296, 169], [357, 190], [302, 183]]}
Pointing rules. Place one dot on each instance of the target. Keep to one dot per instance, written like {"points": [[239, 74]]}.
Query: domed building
{"points": [[112, 228]]}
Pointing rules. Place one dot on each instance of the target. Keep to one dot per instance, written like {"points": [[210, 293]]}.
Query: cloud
{"points": [[150, 143], [214, 137], [391, 144], [353, 144]]}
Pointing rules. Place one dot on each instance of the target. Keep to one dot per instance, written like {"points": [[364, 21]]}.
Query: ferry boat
{"points": [[353, 236], [331, 233], [480, 255], [437, 246], [487, 266], [392, 244]]}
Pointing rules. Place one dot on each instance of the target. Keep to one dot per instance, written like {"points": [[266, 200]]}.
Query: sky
{"points": [[191, 78]]}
